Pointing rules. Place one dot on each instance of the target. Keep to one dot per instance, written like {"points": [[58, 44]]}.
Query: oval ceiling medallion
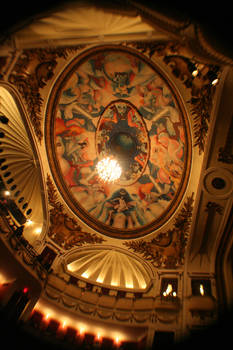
{"points": [[113, 101], [121, 134]]}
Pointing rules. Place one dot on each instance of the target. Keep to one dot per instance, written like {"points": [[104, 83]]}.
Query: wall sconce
{"points": [[202, 292], [98, 338], [169, 288], [117, 341], [201, 287]]}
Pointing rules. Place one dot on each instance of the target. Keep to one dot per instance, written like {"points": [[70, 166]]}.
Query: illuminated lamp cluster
{"points": [[108, 169]]}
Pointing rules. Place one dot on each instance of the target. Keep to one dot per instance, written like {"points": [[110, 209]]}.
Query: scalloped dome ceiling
{"points": [[111, 101], [109, 267], [20, 166]]}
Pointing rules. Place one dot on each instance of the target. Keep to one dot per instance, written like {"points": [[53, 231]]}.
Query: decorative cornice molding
{"points": [[65, 230], [210, 50], [31, 72], [167, 249], [105, 307]]}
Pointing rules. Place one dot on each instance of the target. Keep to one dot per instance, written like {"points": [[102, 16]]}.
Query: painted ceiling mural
{"points": [[113, 101]]}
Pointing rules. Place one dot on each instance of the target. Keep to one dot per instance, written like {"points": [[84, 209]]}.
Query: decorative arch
{"points": [[20, 168]]}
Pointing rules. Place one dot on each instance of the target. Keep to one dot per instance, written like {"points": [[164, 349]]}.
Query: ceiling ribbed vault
{"points": [[109, 267], [19, 167]]}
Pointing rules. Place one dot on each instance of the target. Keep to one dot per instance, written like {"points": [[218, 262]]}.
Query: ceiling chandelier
{"points": [[108, 169]]}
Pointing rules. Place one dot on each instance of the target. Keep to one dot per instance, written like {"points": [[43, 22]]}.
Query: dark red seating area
{"points": [[54, 330]]}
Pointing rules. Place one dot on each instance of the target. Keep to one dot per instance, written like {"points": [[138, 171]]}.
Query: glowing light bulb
{"points": [[47, 316], [169, 289], [29, 222], [117, 340], [195, 73], [81, 330], [38, 230], [202, 292], [108, 169], [85, 275], [215, 82]]}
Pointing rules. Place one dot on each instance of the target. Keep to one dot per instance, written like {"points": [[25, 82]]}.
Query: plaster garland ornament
{"points": [[65, 230], [201, 83], [167, 249], [32, 71]]}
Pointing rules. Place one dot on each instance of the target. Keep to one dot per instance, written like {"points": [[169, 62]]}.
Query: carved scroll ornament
{"points": [[64, 230], [177, 57], [167, 249], [33, 69]]}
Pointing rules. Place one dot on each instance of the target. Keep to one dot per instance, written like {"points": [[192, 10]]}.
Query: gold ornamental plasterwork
{"points": [[167, 249], [65, 230]]}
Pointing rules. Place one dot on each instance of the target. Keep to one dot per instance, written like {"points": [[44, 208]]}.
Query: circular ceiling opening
{"points": [[113, 101]]}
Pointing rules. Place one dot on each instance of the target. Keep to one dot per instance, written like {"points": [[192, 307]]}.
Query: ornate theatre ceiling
{"points": [[128, 91], [112, 101]]}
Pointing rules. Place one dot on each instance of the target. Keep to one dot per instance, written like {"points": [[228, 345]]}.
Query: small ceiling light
{"points": [[70, 267], [29, 222], [38, 230], [169, 289], [98, 337], [108, 169], [85, 274], [192, 68], [129, 285], [100, 279], [7, 193], [213, 76], [114, 283], [214, 82], [195, 72]]}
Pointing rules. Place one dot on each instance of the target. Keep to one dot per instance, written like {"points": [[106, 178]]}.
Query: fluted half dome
{"points": [[19, 167], [109, 267]]}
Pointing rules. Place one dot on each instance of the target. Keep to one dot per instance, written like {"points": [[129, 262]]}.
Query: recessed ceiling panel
{"points": [[112, 101]]}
